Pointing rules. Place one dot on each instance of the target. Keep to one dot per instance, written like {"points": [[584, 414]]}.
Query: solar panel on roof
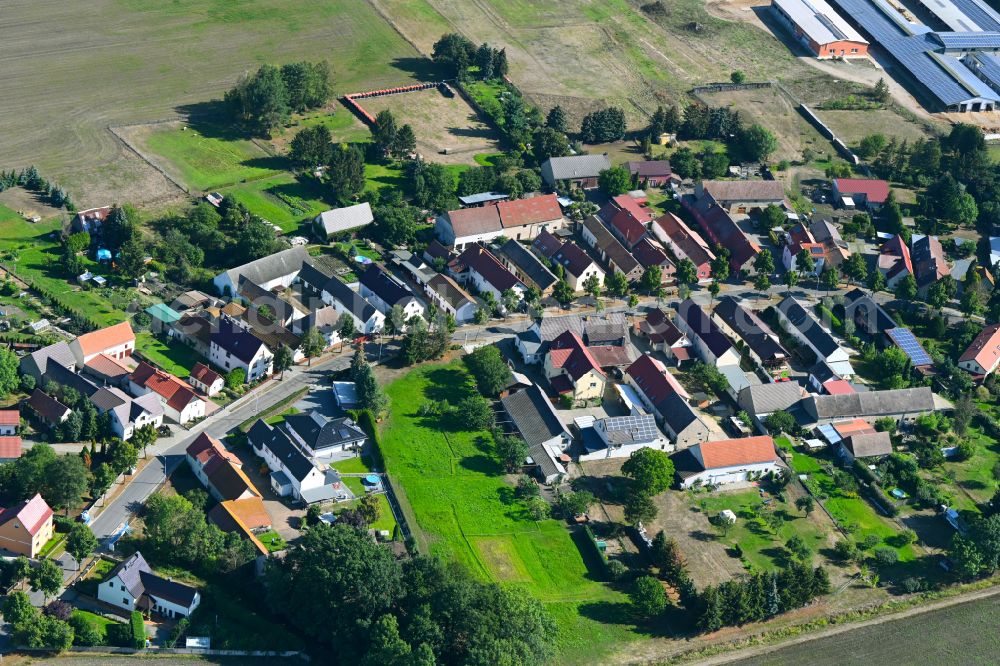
{"points": [[905, 340], [644, 426]]}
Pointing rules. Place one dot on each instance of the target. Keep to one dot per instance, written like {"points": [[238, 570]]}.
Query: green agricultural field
{"points": [[207, 156], [285, 200], [962, 635], [32, 251], [173, 357], [464, 511]]}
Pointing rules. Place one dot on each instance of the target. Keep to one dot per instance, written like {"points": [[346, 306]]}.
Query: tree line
{"points": [[32, 181]]}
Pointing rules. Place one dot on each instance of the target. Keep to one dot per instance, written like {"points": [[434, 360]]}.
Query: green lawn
{"points": [[464, 511], [359, 465], [96, 576], [343, 125], [378, 176], [284, 199], [280, 418], [209, 156], [801, 463], [32, 250], [762, 546], [272, 541], [99, 622], [173, 356]]}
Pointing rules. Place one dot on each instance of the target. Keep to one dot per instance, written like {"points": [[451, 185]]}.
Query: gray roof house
{"points": [[321, 437], [36, 363], [132, 585], [577, 168], [526, 266], [900, 404], [805, 328], [268, 272], [339, 220], [866, 445], [533, 416], [333, 291], [762, 399]]}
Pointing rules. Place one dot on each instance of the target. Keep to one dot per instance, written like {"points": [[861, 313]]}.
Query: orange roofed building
{"points": [[116, 341], [26, 527], [726, 461], [983, 355], [219, 470], [180, 402]]}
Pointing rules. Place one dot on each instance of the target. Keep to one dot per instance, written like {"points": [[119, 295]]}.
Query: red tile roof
{"points": [[896, 247], [648, 254], [10, 417], [652, 377], [177, 393], [632, 205], [838, 387], [32, 513], [106, 338], [535, 210], [687, 241], [856, 427], [108, 366], [630, 228], [985, 349], [658, 328], [568, 352], [471, 221], [481, 260], [10, 447], [875, 191], [732, 452], [204, 374], [205, 447]]}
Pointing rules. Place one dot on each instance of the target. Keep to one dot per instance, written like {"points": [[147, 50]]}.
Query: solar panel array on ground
{"points": [[905, 340]]}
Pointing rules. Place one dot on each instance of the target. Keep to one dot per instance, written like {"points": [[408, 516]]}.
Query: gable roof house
{"points": [[651, 173], [385, 290], [742, 196], [219, 470], [621, 436], [205, 379], [664, 336], [334, 292], [894, 261], [708, 340], [866, 445], [107, 370], [982, 357], [486, 274], [577, 265], [26, 527], [326, 320], [128, 414], [449, 297], [862, 192], [521, 219], [623, 224], [320, 437], [269, 272], [597, 236], [576, 170], [868, 315], [10, 421], [283, 311], [132, 586], [721, 228], [604, 329], [759, 341], [684, 244], [546, 244], [760, 400], [662, 394], [929, 262], [530, 413], [116, 341], [836, 248], [292, 472], [234, 346], [245, 517], [649, 253], [726, 461], [572, 369], [800, 238], [91, 220], [36, 363], [802, 326], [48, 409], [343, 220], [180, 403], [526, 266]]}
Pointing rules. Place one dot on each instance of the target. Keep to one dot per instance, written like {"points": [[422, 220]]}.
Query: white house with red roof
{"points": [[983, 355], [116, 341], [572, 369], [478, 267], [10, 421], [800, 238], [726, 461], [10, 448], [684, 244], [180, 403], [867, 193], [894, 261], [522, 219], [26, 527], [206, 380]]}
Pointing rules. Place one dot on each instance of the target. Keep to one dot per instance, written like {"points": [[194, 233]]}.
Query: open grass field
{"points": [[852, 126], [285, 200], [173, 357], [465, 511], [33, 254], [70, 69], [961, 635], [440, 124]]}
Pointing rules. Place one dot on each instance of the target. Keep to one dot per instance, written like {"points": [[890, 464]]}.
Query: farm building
{"points": [[899, 404], [271, 271], [866, 193], [522, 219], [820, 28], [577, 170], [532, 415], [651, 173], [342, 220], [116, 341]]}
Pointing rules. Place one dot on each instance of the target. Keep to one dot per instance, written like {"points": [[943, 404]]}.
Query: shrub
{"points": [[617, 570], [177, 632], [911, 585], [137, 628], [84, 632], [845, 550], [870, 542], [886, 556]]}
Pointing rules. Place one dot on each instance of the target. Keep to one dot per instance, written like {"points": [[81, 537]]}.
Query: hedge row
{"points": [[592, 544]]}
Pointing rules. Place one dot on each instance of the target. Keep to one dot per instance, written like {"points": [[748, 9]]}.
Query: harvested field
{"points": [[94, 63], [960, 635], [440, 123], [852, 126]]}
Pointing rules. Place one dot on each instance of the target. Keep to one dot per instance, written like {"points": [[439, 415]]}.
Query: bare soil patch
{"points": [[440, 123], [28, 204]]}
